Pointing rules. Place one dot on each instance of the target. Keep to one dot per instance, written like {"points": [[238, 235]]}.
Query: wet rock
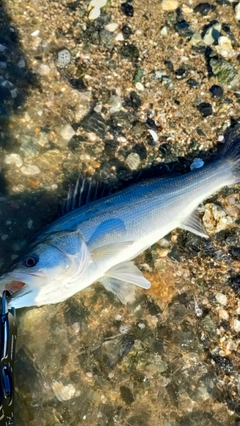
{"points": [[225, 72], [133, 101], [192, 83], [126, 31], [127, 9], [133, 161], [126, 395], [169, 5], [140, 149], [205, 109], [211, 33], [107, 38], [216, 91], [63, 58], [112, 352], [215, 218], [67, 132], [129, 51], [204, 8], [13, 159], [30, 170], [94, 122], [181, 73], [183, 29]]}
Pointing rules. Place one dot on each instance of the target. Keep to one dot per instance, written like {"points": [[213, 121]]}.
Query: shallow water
{"points": [[171, 359]]}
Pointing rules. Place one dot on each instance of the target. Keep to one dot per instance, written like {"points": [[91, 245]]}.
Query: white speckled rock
{"points": [[67, 132], [225, 48], [215, 218], [13, 159], [237, 12], [30, 169], [236, 325], [221, 299], [133, 161]]}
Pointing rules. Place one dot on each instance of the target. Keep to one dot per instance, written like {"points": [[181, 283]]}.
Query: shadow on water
{"points": [[16, 79]]}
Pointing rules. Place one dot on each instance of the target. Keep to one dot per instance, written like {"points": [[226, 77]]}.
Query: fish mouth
{"points": [[14, 283], [14, 286]]}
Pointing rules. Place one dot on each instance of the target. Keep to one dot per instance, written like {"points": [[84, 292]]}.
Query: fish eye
{"points": [[30, 261]]}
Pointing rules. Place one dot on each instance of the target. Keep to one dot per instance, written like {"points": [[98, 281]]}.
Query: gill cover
{"points": [[72, 245]]}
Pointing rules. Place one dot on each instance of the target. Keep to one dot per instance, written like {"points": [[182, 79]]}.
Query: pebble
{"points": [[30, 169], [236, 325], [212, 34], [215, 218], [119, 36], [126, 31], [63, 58], [237, 12], [221, 299], [98, 3], [35, 33], [113, 26], [225, 48], [216, 91], [205, 109], [197, 163], [224, 71], [13, 159], [223, 314], [154, 135], [63, 393], [133, 161], [127, 9], [67, 132], [43, 69], [169, 5], [204, 8], [94, 13]]}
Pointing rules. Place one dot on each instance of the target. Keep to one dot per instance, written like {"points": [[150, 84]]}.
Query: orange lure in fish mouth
{"points": [[14, 286]]}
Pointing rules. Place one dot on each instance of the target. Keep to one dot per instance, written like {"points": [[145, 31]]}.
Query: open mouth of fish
{"points": [[14, 283], [13, 286]]}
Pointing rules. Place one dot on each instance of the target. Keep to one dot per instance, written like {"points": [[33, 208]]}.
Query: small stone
{"points": [[67, 132], [223, 314], [196, 39], [126, 31], [133, 161], [63, 58], [119, 36], [181, 73], [98, 3], [204, 8], [192, 83], [183, 29], [154, 135], [224, 71], [94, 13], [236, 325], [127, 9], [216, 91], [169, 5], [35, 33], [13, 159], [43, 69], [225, 48], [197, 164], [30, 169], [205, 109], [237, 12], [215, 218], [139, 86], [221, 299], [212, 34], [129, 51], [113, 26], [238, 310], [63, 393]]}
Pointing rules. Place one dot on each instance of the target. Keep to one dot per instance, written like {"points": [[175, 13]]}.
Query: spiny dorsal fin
{"points": [[86, 190]]}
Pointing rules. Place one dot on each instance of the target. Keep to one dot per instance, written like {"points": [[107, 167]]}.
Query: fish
{"points": [[98, 241]]}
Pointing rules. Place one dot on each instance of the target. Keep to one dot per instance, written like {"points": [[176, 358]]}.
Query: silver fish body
{"points": [[98, 241]]}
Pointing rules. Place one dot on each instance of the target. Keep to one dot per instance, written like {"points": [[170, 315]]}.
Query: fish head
{"points": [[44, 273]]}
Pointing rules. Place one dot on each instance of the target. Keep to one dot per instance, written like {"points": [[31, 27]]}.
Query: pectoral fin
{"points": [[121, 279], [193, 224]]}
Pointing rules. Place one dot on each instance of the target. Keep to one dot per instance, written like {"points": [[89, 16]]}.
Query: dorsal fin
{"points": [[85, 190]]}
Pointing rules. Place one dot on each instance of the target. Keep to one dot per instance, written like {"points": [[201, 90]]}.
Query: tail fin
{"points": [[231, 150]]}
